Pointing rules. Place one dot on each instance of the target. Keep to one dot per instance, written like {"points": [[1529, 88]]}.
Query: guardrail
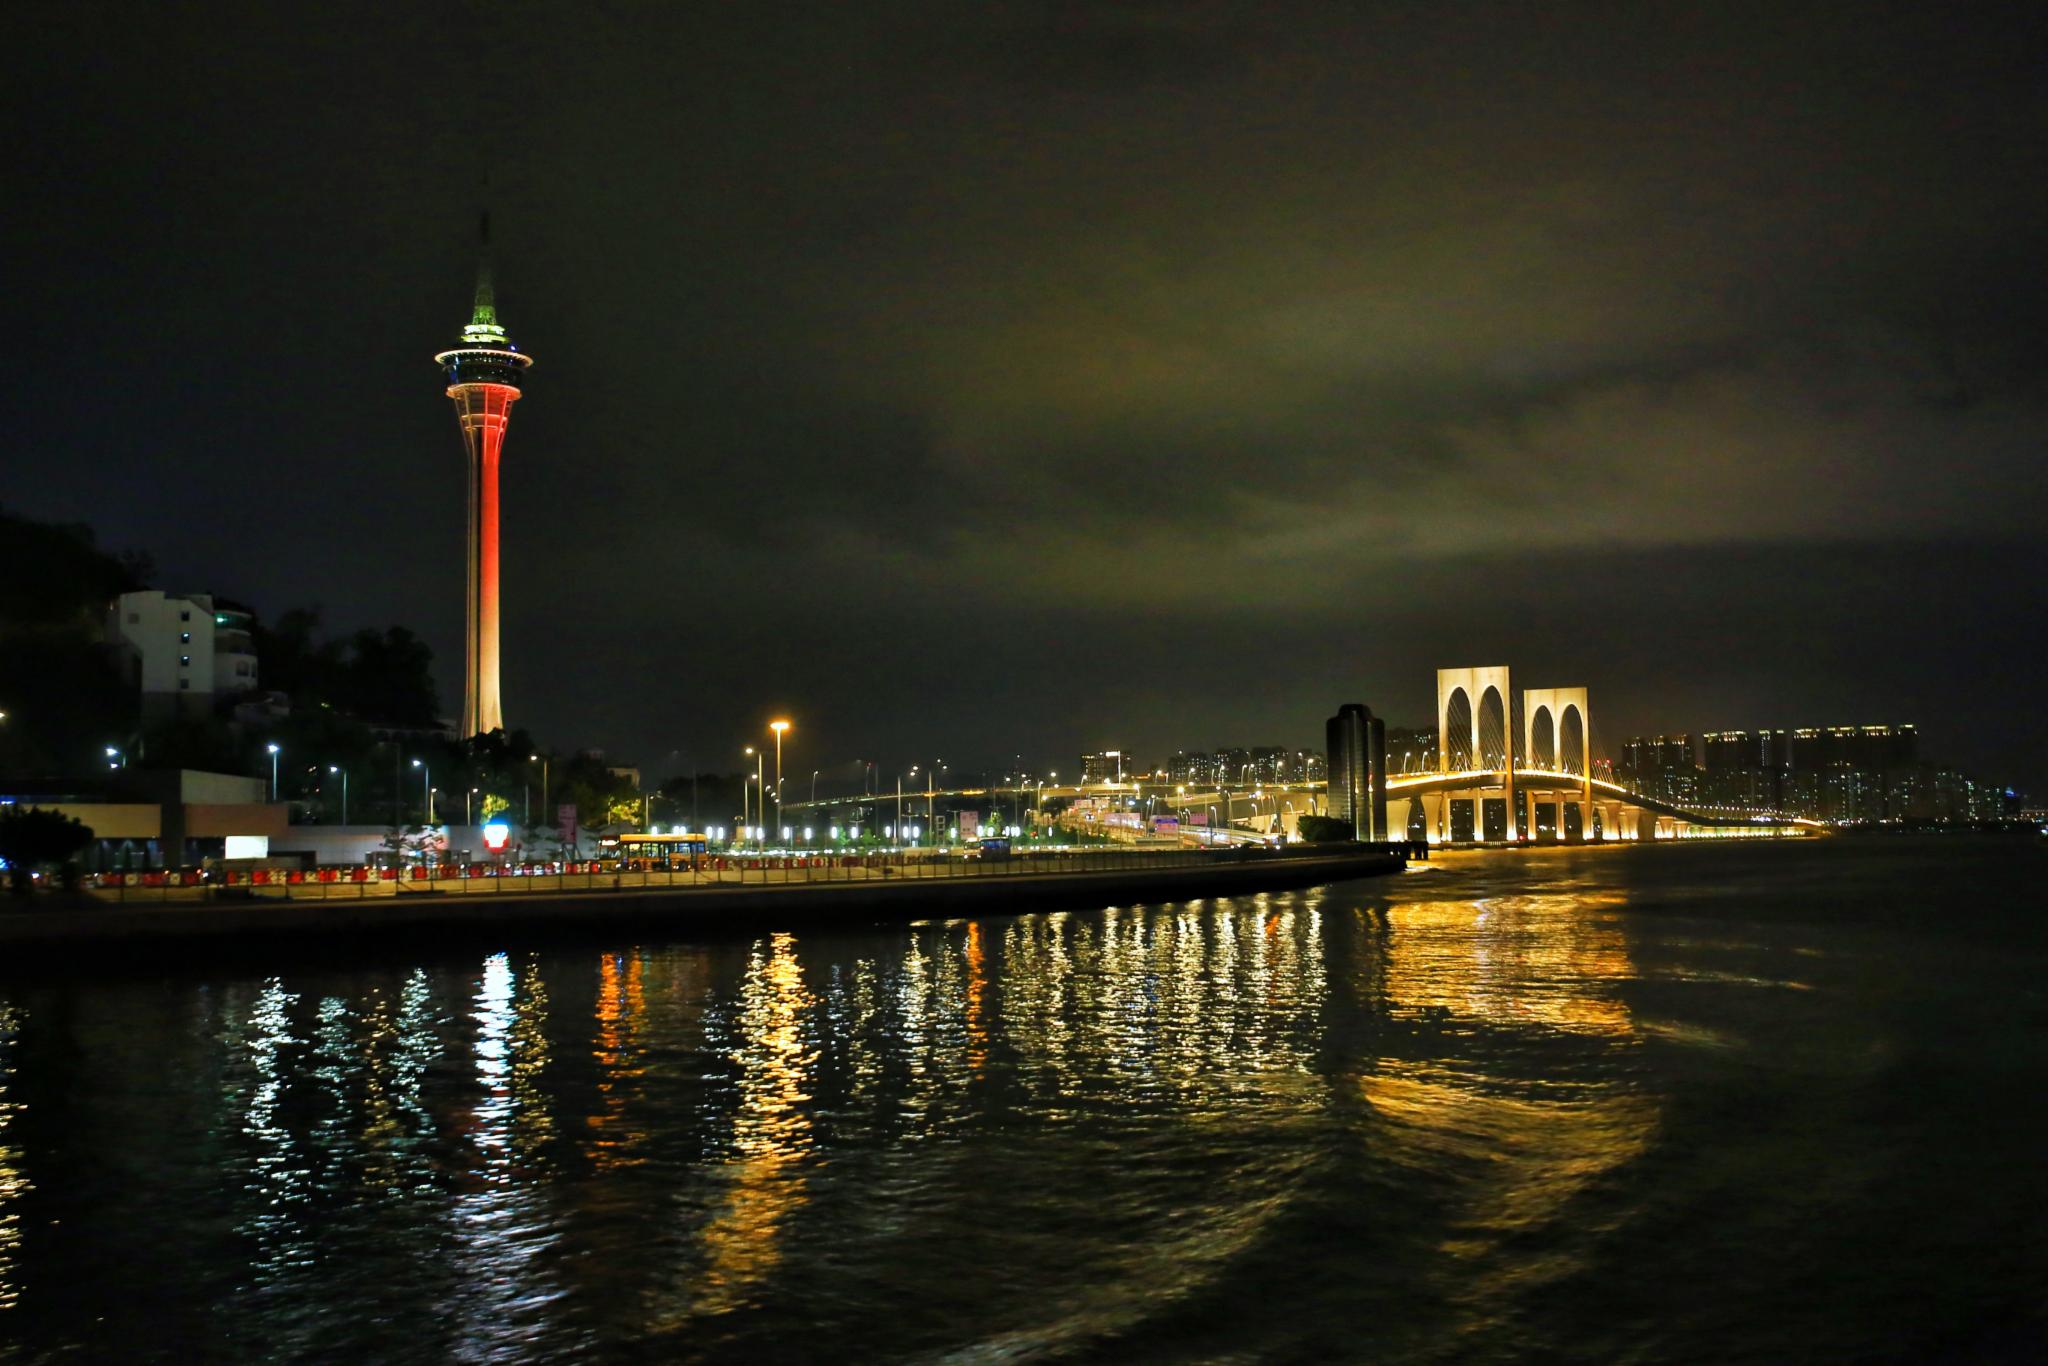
{"points": [[490, 879]]}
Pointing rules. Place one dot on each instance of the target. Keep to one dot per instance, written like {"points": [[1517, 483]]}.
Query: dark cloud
{"points": [[1064, 358]]}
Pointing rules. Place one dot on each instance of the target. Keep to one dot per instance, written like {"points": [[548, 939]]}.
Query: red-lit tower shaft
{"points": [[483, 410]]}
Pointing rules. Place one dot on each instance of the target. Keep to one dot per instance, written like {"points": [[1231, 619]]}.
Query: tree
{"points": [[60, 683], [1325, 829], [420, 841], [33, 837], [548, 840], [296, 662], [493, 804], [390, 677]]}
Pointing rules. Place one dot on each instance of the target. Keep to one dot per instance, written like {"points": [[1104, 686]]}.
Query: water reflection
{"points": [[1498, 1100], [14, 1184], [1547, 960], [621, 1015], [763, 1177], [999, 1138], [502, 1225], [278, 1177]]}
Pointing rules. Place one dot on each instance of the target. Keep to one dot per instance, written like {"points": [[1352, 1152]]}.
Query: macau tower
{"points": [[483, 373]]}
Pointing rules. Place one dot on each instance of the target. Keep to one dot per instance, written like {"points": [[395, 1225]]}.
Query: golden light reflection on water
{"points": [[1549, 960], [976, 963], [1189, 1001], [14, 1183], [621, 1014], [764, 1180], [1515, 1163], [1516, 1148]]}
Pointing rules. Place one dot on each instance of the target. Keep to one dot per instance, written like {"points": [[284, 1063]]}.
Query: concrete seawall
{"points": [[192, 930]]}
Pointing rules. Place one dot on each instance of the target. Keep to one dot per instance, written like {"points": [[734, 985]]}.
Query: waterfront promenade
{"points": [[749, 899]]}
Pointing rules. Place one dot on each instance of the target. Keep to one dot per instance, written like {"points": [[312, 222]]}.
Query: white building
{"points": [[183, 652]]}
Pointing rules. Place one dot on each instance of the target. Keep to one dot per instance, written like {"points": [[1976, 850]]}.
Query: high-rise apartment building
{"points": [[1109, 766]]}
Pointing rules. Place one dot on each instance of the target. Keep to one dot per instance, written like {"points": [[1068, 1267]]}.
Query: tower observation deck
{"points": [[484, 373]]}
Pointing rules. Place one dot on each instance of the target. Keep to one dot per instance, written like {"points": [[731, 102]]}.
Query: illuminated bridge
{"points": [[1468, 791]]}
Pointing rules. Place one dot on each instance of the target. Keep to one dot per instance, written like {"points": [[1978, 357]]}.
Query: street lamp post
{"points": [[273, 770], [336, 768], [778, 727], [760, 796], [543, 787], [426, 791]]}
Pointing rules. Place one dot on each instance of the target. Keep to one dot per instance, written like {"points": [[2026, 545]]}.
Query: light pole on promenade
{"points": [[272, 747], [778, 727], [745, 800], [542, 760], [336, 768], [426, 791], [760, 797]]}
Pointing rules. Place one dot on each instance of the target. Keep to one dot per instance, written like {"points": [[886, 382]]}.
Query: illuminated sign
{"points": [[495, 835]]}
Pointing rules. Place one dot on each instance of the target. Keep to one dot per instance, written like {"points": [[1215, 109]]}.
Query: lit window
{"points": [[184, 637], [184, 661]]}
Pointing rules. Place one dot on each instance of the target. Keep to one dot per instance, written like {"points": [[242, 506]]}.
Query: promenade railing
{"points": [[896, 867]]}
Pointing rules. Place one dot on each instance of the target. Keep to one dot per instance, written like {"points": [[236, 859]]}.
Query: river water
{"points": [[1686, 1103]]}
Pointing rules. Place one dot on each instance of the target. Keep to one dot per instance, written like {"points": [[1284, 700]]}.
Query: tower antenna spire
{"points": [[486, 314]]}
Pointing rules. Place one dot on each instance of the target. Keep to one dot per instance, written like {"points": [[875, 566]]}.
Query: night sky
{"points": [[974, 380]]}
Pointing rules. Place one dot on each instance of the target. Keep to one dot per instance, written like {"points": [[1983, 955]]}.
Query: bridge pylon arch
{"points": [[1476, 684], [1571, 742]]}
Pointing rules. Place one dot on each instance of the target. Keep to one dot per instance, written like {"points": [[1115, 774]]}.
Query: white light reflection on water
{"points": [[500, 1224], [277, 1185]]}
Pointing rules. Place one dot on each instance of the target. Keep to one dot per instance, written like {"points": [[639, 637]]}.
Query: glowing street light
{"points": [[336, 768], [426, 790], [273, 770]]}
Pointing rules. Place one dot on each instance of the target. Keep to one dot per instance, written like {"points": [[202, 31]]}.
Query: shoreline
{"points": [[161, 932]]}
